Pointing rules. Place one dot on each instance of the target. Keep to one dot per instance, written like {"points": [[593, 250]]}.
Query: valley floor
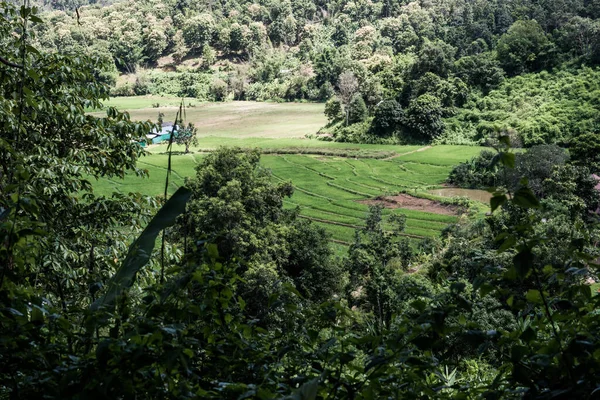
{"points": [[334, 182]]}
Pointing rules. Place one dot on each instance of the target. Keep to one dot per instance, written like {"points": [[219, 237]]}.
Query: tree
{"points": [[388, 116], [155, 41], [435, 56], [333, 109], [326, 66], [376, 260], [536, 164], [423, 117], [180, 50], [581, 37], [219, 89], [238, 37], [524, 48], [347, 86], [357, 110], [198, 31], [481, 70], [209, 57], [585, 151], [186, 136], [236, 206], [52, 225], [126, 45]]}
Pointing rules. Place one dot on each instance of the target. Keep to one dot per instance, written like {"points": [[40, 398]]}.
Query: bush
{"points": [[476, 173], [358, 110], [140, 87], [218, 89], [424, 117], [333, 110], [326, 91], [123, 90], [388, 116]]}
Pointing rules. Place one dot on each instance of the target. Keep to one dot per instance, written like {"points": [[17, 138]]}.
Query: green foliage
{"points": [[481, 70], [500, 309], [141, 250], [236, 206], [540, 108], [357, 110], [584, 150], [388, 116], [186, 136], [436, 57], [198, 31], [536, 165], [476, 173], [219, 89], [296, 51], [424, 117], [374, 283], [333, 110], [524, 48]]}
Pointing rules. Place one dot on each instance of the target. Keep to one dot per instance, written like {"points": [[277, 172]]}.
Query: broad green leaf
{"points": [[508, 243], [497, 201], [504, 139], [523, 262], [308, 391], [525, 198], [141, 250], [507, 159], [534, 296]]}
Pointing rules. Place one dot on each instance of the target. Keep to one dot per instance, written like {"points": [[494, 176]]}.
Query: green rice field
{"points": [[331, 180]]}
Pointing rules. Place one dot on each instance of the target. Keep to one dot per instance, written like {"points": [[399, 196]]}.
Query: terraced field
{"points": [[329, 189], [333, 181]]}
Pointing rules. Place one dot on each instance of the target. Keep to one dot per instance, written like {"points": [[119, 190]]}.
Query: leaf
{"points": [[497, 201], [508, 243], [504, 139], [141, 250], [212, 251], [507, 159], [525, 198], [528, 335], [308, 391], [458, 287], [534, 296], [523, 261]]}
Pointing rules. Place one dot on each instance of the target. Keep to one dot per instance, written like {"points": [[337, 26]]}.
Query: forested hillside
{"points": [[393, 71], [218, 289]]}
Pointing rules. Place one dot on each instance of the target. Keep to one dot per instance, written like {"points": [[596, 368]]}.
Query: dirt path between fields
{"points": [[407, 153]]}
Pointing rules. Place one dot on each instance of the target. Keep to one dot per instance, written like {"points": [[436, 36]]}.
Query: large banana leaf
{"points": [[141, 250]]}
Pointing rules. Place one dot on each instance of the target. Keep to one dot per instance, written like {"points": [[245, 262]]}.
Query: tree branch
{"points": [[10, 63]]}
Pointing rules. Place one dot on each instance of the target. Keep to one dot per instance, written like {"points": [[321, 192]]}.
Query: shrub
{"points": [[358, 110], [387, 118], [123, 90], [333, 110], [218, 89], [326, 91], [474, 174], [424, 117]]}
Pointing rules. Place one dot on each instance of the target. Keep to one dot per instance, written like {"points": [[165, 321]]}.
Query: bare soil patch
{"points": [[413, 203], [473, 194]]}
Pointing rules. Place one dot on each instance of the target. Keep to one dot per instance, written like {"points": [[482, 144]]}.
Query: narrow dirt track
{"points": [[407, 153]]}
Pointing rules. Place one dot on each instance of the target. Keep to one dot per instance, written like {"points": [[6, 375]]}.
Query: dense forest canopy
{"points": [[221, 292], [450, 71]]}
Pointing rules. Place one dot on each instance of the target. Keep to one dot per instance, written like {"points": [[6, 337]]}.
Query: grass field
{"points": [[329, 178], [274, 120]]}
